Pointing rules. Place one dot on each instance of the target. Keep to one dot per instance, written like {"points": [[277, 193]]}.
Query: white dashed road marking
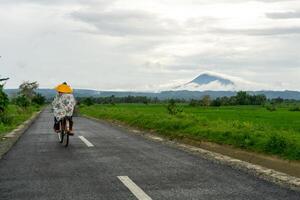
{"points": [[86, 141], [136, 190]]}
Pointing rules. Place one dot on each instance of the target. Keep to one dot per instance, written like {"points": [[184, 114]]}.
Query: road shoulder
{"points": [[9, 139]]}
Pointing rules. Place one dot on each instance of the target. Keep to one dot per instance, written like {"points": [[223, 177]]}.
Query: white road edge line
{"points": [[86, 141], [136, 190]]}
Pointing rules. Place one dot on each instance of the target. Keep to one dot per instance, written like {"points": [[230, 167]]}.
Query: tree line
{"points": [[241, 98], [25, 97]]}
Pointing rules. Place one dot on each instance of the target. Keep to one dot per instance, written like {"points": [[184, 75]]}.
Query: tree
{"points": [[22, 101], [39, 99], [88, 101], [205, 101], [242, 98], [28, 89], [216, 102], [277, 100], [194, 102], [3, 100], [112, 100]]}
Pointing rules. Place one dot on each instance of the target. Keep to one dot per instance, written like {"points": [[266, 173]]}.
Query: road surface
{"points": [[107, 162]]}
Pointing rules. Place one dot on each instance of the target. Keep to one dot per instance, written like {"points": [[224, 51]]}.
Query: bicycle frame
{"points": [[64, 129]]}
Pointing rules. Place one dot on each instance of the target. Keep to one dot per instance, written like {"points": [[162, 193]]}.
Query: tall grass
{"points": [[248, 127], [15, 116]]}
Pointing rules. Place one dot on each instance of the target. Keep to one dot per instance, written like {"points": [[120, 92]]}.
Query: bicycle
{"points": [[64, 130]]}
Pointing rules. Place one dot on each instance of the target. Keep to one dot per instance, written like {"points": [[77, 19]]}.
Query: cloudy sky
{"points": [[145, 45]]}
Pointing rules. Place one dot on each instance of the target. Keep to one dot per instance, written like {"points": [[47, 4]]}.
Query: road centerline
{"points": [[88, 143], [135, 189]]}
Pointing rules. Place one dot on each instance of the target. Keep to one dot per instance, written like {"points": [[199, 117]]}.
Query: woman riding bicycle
{"points": [[63, 105]]}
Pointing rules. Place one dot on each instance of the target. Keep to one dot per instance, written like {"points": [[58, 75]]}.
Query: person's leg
{"points": [[56, 125], [70, 118], [71, 124]]}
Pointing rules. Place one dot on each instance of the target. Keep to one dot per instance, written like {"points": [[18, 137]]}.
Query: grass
{"points": [[248, 127], [16, 116]]}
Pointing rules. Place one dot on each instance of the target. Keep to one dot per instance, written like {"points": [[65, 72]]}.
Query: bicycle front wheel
{"points": [[61, 135], [66, 141]]}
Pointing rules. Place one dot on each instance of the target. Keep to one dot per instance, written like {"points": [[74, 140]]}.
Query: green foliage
{"points": [[38, 99], [14, 116], [22, 101], [241, 98], [296, 108], [271, 107], [88, 101], [3, 100], [248, 127], [5, 118], [276, 144], [194, 103], [205, 101], [27, 89], [172, 108]]}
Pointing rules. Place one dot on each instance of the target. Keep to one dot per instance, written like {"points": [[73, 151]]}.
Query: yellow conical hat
{"points": [[64, 88]]}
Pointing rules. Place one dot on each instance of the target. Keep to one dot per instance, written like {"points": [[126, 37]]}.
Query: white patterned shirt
{"points": [[63, 105]]}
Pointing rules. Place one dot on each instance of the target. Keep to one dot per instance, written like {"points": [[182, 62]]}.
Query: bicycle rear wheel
{"points": [[66, 141]]}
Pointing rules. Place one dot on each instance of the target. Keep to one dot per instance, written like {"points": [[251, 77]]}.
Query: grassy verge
{"points": [[247, 127], [16, 116]]}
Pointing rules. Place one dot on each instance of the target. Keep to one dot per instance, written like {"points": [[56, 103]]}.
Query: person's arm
{"points": [[54, 101], [73, 101]]}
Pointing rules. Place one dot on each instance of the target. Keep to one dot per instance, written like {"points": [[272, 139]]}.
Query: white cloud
{"points": [[138, 44], [284, 15]]}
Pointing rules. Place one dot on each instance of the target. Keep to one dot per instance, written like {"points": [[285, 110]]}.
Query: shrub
{"points": [[217, 102], [22, 101], [3, 100], [271, 107], [39, 99], [205, 101], [194, 103], [88, 101], [276, 144], [295, 109], [173, 108], [5, 118]]}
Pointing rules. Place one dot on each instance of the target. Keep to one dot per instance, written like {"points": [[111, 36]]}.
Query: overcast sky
{"points": [[144, 45]]}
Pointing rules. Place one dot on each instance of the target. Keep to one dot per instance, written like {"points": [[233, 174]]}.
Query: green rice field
{"points": [[248, 127]]}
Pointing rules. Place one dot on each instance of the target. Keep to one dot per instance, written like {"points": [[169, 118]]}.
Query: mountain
{"points": [[209, 78], [219, 82], [208, 81]]}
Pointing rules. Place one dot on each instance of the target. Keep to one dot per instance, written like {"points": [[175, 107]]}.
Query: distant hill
{"points": [[180, 94], [50, 93], [204, 80]]}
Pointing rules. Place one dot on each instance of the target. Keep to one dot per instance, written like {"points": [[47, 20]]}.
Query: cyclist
{"points": [[63, 105]]}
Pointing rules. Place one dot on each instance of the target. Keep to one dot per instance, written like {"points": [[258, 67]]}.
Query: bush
{"points": [[22, 101], [295, 109], [6, 119], [3, 100], [271, 107], [173, 108], [194, 103], [276, 144], [88, 101], [217, 102], [39, 99]]}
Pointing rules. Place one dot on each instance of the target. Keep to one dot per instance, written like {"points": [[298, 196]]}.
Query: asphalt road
{"points": [[38, 167]]}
